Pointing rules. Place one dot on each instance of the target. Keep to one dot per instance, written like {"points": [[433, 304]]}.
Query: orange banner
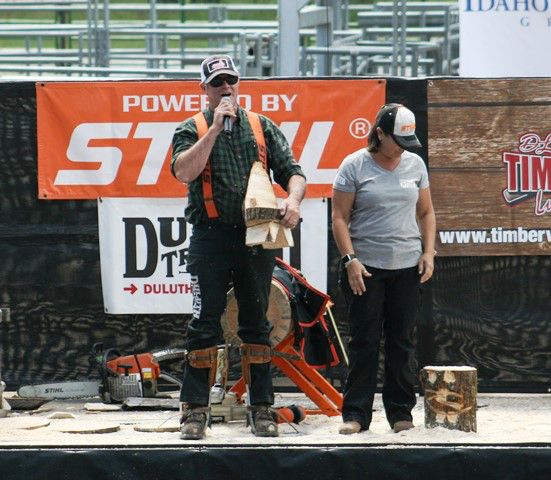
{"points": [[113, 139]]}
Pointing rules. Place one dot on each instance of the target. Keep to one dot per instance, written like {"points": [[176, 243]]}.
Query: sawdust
{"points": [[501, 419]]}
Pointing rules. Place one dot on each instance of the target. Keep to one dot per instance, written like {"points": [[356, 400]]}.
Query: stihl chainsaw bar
{"points": [[74, 389]]}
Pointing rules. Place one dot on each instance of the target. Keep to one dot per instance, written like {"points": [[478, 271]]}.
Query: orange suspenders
{"points": [[202, 128]]}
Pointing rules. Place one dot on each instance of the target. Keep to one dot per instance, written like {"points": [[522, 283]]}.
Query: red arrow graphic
{"points": [[132, 289]]}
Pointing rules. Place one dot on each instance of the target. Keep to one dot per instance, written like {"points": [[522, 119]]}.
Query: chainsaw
{"points": [[137, 375]]}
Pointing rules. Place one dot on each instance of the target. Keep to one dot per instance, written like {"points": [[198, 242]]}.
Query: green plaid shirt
{"points": [[231, 159]]}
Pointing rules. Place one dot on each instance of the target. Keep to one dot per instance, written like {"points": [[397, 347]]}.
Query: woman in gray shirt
{"points": [[384, 227]]}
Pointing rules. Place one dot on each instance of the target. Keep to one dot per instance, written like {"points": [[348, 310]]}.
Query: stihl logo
{"points": [[529, 172], [110, 158], [119, 143], [410, 128], [53, 390], [107, 160]]}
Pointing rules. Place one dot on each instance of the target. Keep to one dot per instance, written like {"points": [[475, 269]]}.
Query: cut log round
{"points": [[279, 315], [450, 397], [256, 215], [260, 203]]}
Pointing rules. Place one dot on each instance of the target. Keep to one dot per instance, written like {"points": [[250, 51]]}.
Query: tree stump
{"points": [[450, 397]]}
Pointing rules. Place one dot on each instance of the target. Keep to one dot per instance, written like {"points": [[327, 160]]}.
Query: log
{"points": [[450, 397], [256, 215], [260, 205], [261, 212], [279, 315], [271, 235], [4, 405]]}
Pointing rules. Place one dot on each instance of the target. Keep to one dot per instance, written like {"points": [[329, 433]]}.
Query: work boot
{"points": [[350, 427], [263, 423], [402, 425], [194, 422]]}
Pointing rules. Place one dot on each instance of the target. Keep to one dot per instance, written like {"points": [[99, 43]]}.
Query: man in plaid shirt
{"points": [[215, 165]]}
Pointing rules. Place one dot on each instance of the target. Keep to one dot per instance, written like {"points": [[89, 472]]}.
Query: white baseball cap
{"points": [[399, 122]]}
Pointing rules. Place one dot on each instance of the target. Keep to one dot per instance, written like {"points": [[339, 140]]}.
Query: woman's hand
{"points": [[426, 266], [356, 273]]}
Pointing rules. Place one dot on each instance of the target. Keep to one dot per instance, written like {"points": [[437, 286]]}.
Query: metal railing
{"points": [[421, 40]]}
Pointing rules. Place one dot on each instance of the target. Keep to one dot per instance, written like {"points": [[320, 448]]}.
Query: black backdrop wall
{"points": [[489, 312]]}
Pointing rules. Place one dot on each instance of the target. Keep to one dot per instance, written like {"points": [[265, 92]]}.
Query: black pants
{"points": [[390, 304], [217, 257]]}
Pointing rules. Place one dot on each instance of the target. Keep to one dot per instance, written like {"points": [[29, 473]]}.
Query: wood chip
{"points": [[61, 415], [102, 407], [158, 428], [24, 423], [42, 409], [88, 428]]}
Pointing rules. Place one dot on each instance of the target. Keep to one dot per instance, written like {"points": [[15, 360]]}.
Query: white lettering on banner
{"points": [[542, 207], [194, 103], [161, 137], [245, 101], [495, 235], [359, 128], [313, 150], [160, 133], [165, 103], [79, 151], [270, 103], [289, 130]]}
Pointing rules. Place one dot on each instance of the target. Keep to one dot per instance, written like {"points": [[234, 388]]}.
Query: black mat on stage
{"points": [[327, 462]]}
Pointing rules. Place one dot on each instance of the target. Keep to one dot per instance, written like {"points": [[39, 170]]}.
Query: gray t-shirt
{"points": [[383, 225]]}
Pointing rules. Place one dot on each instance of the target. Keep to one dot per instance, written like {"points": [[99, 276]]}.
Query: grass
{"points": [[27, 15]]}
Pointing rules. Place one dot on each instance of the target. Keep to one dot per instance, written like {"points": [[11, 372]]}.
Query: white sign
{"points": [[143, 245], [143, 249], [505, 38]]}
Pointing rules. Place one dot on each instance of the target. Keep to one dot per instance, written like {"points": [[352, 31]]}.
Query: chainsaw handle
{"points": [[126, 368]]}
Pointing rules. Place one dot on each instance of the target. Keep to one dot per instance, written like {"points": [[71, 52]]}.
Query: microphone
{"points": [[227, 119]]}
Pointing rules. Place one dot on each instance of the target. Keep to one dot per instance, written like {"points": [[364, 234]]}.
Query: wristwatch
{"points": [[347, 259]]}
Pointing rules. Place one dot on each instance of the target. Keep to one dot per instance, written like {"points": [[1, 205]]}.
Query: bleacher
{"points": [[80, 38]]}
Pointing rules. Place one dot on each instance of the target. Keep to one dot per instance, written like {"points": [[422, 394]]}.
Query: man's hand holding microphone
{"points": [[226, 109]]}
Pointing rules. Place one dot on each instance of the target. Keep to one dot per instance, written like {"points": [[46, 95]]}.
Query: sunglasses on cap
{"points": [[220, 79]]}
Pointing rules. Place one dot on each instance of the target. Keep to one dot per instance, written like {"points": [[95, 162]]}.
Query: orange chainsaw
{"points": [[122, 376]]}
